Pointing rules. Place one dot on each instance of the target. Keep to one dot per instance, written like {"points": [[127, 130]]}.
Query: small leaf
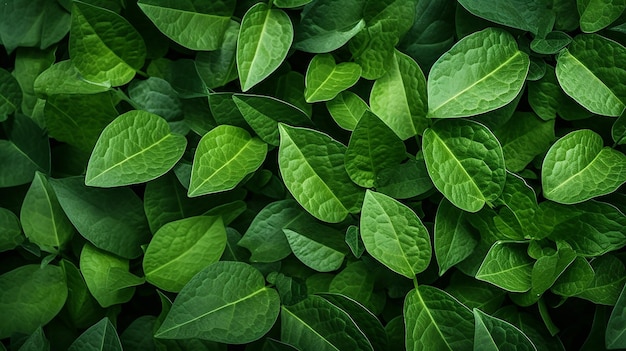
{"points": [[474, 293], [224, 156], [575, 279], [405, 180], [99, 337], [507, 266], [454, 239], [577, 168], [218, 67], [354, 241], [347, 108], [495, 334], [318, 250], [156, 95], [610, 275], [497, 74], [63, 78], [36, 342], [10, 94], [182, 248], [10, 230], [135, 148], [394, 235], [226, 302], [325, 78], [264, 40]]}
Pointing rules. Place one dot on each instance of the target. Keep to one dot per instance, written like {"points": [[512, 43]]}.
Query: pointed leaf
{"points": [[347, 108], [598, 14], [10, 230], [10, 94], [317, 246], [218, 67], [99, 337], [508, 266], [575, 279], [616, 327], [610, 275], [495, 334], [325, 78], [454, 238]]}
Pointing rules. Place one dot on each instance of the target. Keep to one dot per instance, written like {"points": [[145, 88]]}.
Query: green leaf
{"points": [[325, 78], [373, 148], [104, 47], [10, 230], [373, 49], [577, 168], [63, 78], [551, 44], [435, 320], [218, 67], [394, 235], [82, 308], [399, 97], [575, 279], [156, 95], [182, 248], [454, 239], [356, 281], [533, 328], [347, 108], [264, 40], [224, 157], [32, 296], [354, 241], [29, 63], [523, 138], [508, 266], [521, 14], [194, 24], [547, 99], [474, 293], [10, 94], [43, 220], [498, 73], [263, 113], [549, 268], [616, 327], [226, 302], [598, 14], [495, 334], [107, 276], [320, 250], [36, 342], [288, 4], [138, 335], [135, 148], [595, 62], [465, 162], [610, 275], [327, 25], [312, 167], [111, 219], [405, 180], [516, 217], [317, 324], [99, 337]]}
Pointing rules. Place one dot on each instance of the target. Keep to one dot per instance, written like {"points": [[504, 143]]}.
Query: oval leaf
{"points": [[454, 239], [325, 79], [96, 337], [226, 302], [480, 73], [495, 334], [224, 157], [577, 168], [394, 235], [317, 246], [347, 108], [136, 147], [10, 94], [508, 266]]}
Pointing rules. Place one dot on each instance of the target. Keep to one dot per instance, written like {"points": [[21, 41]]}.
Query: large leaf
{"points": [[507, 266], [608, 282], [218, 67], [317, 324], [480, 73], [264, 40], [111, 219], [63, 78], [495, 334], [194, 24], [577, 168], [32, 296], [226, 302], [575, 279], [616, 327], [312, 167], [454, 239], [394, 235], [224, 157], [435, 320], [182, 248], [527, 15], [465, 162], [325, 78], [135, 148], [104, 47], [591, 70], [99, 337]]}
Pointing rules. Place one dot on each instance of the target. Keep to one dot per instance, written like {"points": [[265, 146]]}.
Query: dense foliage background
{"points": [[312, 175]]}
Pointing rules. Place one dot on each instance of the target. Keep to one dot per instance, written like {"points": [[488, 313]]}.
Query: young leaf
{"points": [[104, 47], [325, 78], [10, 230], [64, 78], [317, 324], [32, 296], [465, 162], [196, 25], [596, 63], [616, 327], [474, 293], [547, 269], [435, 320], [498, 74], [99, 337], [495, 334], [508, 266], [405, 180], [107, 276], [320, 250], [43, 220], [399, 97], [608, 281], [598, 14], [312, 167], [82, 308], [10, 94], [226, 302], [575, 279], [264, 40], [394, 235], [182, 248], [136, 147], [219, 67], [36, 342], [454, 239], [547, 99], [224, 157], [356, 281], [354, 241], [516, 217], [577, 168], [156, 95], [347, 108], [373, 148]]}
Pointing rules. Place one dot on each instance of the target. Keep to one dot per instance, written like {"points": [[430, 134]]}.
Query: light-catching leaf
{"points": [[347, 108], [317, 247], [226, 302], [480, 73], [264, 40], [577, 168], [616, 327], [325, 78], [99, 337], [608, 281], [454, 239], [508, 266], [394, 235], [224, 157], [527, 15], [495, 334], [598, 14], [136, 147]]}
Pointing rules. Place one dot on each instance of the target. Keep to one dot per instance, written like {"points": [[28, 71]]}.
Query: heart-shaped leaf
{"points": [[325, 78]]}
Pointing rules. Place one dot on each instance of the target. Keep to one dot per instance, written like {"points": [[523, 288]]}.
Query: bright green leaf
{"points": [[454, 239], [495, 334], [63, 78], [507, 266], [610, 275], [322, 251], [598, 14], [347, 108], [325, 78], [521, 14]]}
